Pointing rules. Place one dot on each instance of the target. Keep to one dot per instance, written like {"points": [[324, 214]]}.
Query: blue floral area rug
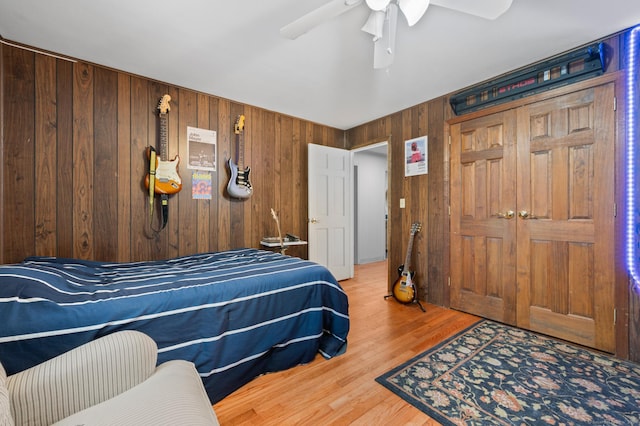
{"points": [[496, 374]]}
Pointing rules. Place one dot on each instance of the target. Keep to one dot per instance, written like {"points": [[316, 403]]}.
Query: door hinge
{"points": [[615, 209], [615, 103], [449, 140], [449, 210], [615, 316], [449, 281]]}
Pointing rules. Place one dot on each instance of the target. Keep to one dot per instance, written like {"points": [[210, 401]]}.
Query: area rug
{"points": [[496, 374]]}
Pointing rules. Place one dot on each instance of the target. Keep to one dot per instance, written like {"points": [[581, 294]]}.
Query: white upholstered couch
{"points": [[109, 381]]}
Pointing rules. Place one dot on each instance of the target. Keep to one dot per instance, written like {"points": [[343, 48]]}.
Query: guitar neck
{"points": [[239, 153], [164, 139], [407, 259]]}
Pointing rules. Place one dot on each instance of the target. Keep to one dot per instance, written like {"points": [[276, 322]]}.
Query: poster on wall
{"points": [[201, 187], [415, 153], [201, 149]]}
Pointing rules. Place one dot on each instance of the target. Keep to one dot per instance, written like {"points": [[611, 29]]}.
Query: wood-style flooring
{"points": [[342, 390]]}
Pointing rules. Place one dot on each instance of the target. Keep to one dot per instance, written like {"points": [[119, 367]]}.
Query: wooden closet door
{"points": [[483, 232], [565, 224]]}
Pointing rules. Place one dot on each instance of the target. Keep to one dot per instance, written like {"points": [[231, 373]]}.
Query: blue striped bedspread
{"points": [[235, 314]]}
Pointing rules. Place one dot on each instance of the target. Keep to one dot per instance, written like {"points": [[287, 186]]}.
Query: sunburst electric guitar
{"points": [[167, 179], [239, 185], [404, 290]]}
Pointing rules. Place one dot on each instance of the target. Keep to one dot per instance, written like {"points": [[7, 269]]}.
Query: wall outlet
{"points": [[402, 203]]}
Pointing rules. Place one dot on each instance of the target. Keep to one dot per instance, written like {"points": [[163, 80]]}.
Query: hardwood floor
{"points": [[343, 391]]}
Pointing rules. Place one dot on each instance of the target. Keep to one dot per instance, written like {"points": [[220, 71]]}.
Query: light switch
{"points": [[402, 203]]}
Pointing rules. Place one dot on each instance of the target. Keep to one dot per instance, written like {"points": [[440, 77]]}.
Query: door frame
{"points": [[375, 146]]}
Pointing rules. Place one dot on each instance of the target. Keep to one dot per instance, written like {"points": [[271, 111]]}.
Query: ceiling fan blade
{"points": [[487, 9], [413, 9], [316, 17], [384, 49]]}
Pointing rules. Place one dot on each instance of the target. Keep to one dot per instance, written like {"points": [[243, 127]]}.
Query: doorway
{"points": [[370, 171]]}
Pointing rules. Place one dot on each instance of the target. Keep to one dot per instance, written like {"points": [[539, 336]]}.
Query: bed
{"points": [[235, 314]]}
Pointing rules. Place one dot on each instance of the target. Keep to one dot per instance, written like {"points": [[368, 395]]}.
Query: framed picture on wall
{"points": [[415, 154], [201, 147]]}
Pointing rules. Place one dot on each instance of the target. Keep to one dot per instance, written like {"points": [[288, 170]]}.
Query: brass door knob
{"points": [[526, 215], [506, 215]]}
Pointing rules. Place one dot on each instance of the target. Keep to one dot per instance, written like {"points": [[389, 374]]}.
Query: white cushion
{"points": [[173, 395], [5, 406]]}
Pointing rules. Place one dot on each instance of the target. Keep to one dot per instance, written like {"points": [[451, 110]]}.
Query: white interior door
{"points": [[330, 191]]}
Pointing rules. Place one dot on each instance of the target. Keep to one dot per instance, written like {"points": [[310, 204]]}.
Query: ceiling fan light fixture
{"points": [[374, 24], [378, 5], [413, 10]]}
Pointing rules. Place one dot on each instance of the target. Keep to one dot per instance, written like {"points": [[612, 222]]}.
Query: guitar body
{"points": [[404, 290], [168, 180], [239, 185]]}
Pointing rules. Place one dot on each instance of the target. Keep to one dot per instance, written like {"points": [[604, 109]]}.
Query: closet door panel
{"points": [[483, 241], [565, 231]]}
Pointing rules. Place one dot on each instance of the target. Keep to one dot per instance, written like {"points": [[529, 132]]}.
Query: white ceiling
{"points": [[233, 48]]}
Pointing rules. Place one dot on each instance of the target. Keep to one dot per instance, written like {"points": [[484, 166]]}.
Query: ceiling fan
{"points": [[382, 20]]}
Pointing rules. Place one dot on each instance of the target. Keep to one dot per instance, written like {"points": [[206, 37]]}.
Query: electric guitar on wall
{"points": [[239, 185], [167, 181], [404, 290]]}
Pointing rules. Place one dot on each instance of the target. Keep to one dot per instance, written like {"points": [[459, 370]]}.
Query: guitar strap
{"points": [[152, 180], [164, 198]]}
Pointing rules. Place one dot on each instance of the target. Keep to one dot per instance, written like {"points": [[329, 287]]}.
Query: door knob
{"points": [[506, 215], [526, 215], [313, 220]]}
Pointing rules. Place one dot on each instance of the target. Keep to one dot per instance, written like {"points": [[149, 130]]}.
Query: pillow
{"points": [[5, 405]]}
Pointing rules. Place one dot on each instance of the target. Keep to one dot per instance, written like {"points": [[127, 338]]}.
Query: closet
{"points": [[533, 214]]}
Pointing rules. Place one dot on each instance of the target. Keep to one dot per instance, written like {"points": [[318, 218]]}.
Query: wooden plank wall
{"points": [[73, 163], [424, 195]]}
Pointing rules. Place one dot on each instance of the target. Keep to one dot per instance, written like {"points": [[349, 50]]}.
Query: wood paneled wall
{"points": [[425, 195], [73, 143]]}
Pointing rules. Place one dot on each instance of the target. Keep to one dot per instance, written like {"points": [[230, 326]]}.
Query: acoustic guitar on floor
{"points": [[404, 289]]}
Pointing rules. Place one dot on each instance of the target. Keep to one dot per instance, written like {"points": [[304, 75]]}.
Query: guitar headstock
{"points": [[415, 228], [275, 216], [163, 105], [239, 126]]}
